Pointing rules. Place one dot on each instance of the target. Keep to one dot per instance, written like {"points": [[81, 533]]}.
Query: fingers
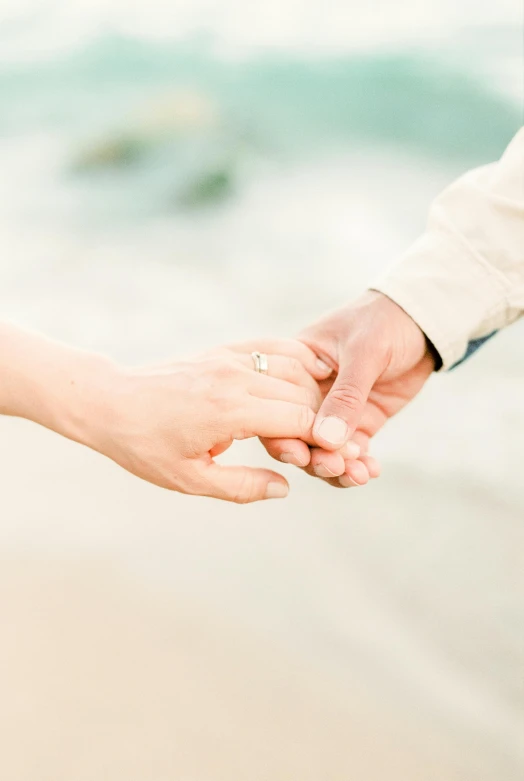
{"points": [[355, 474], [327, 464], [361, 439], [287, 348], [324, 461], [344, 405], [341, 469], [359, 468], [284, 368], [287, 380], [270, 418], [288, 451], [265, 387], [241, 484], [372, 465]]}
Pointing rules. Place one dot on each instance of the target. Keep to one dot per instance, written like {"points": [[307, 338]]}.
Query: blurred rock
{"points": [[172, 116], [208, 187]]}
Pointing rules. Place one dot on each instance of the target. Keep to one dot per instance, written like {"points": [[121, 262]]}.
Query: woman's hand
{"points": [[167, 424]]}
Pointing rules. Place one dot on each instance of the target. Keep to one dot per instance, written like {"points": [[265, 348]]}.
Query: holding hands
{"points": [[314, 402], [380, 360], [323, 399], [325, 395]]}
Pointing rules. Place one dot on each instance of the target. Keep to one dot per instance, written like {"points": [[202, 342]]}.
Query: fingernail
{"points": [[350, 450], [277, 491], [333, 430], [347, 482], [322, 471], [291, 458], [323, 367]]}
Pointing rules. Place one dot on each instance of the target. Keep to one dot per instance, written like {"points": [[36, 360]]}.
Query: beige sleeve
{"points": [[464, 278]]}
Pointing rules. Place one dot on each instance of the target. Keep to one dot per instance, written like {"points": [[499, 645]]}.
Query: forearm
{"points": [[59, 387]]}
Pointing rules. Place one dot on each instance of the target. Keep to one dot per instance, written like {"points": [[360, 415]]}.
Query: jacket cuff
{"points": [[454, 296]]}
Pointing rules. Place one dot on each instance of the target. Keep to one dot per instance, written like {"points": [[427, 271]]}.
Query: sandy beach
{"points": [[101, 680], [148, 636]]}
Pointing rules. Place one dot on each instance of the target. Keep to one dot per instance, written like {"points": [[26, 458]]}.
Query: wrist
{"points": [[85, 409], [62, 388], [70, 391], [410, 340]]}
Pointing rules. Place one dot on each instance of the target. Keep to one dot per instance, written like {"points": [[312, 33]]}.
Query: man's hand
{"points": [[381, 360]]}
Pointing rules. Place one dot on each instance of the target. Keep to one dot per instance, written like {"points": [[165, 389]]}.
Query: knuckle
{"points": [[306, 418], [311, 399], [224, 401], [304, 354], [348, 395], [224, 369], [241, 431], [294, 368], [245, 490]]}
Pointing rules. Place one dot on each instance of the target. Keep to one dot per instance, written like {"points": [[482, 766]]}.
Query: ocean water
{"points": [[177, 177], [181, 146]]}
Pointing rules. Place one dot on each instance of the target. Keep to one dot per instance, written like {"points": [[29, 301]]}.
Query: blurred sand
{"points": [[100, 680], [153, 637]]}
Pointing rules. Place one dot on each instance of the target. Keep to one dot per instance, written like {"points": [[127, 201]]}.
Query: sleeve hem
{"points": [[431, 327], [451, 296]]}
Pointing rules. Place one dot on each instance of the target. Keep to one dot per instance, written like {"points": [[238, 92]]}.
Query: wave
{"points": [[286, 102]]}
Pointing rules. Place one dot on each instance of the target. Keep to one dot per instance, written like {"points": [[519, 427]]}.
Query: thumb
{"points": [[343, 407], [242, 484]]}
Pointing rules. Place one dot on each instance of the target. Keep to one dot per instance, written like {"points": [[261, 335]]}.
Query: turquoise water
{"points": [[274, 107], [410, 99]]}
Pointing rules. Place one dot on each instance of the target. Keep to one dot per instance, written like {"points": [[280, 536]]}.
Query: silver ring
{"points": [[261, 362]]}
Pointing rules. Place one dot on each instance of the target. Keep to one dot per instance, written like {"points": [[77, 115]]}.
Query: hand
{"points": [[167, 424], [382, 360]]}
